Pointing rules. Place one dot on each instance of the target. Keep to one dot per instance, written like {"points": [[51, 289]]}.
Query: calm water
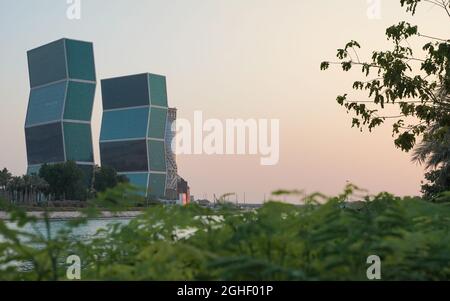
{"points": [[83, 231]]}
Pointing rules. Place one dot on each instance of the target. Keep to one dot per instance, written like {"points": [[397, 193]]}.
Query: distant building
{"points": [[58, 122], [133, 132], [171, 159], [184, 192]]}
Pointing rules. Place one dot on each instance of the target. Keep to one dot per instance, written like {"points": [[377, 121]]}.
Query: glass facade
{"points": [[125, 156], [57, 126], [125, 92], [140, 180], [78, 142], [79, 101], [124, 124], [157, 184], [158, 90], [80, 60], [47, 64], [46, 104], [156, 154], [45, 144], [136, 107], [157, 124]]}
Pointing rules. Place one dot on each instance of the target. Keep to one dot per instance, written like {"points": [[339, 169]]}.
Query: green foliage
{"points": [[25, 190], [316, 241], [65, 180], [434, 152], [438, 181], [5, 177], [419, 87], [57, 182], [118, 198], [106, 177]]}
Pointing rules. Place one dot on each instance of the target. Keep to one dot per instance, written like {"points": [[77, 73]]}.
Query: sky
{"points": [[229, 59]]}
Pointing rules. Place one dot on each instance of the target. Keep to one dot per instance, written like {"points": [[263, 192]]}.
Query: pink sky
{"points": [[229, 59]]}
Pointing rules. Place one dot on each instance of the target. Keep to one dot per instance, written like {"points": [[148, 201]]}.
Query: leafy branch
{"points": [[422, 94]]}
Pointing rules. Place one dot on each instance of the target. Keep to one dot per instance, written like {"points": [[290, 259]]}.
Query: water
{"points": [[84, 231]]}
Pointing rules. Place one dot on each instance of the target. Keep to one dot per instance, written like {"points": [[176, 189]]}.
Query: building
{"points": [[171, 161], [184, 192], [133, 130], [58, 122]]}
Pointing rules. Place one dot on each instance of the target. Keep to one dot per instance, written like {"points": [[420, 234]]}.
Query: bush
{"points": [[315, 241], [65, 180], [106, 177]]}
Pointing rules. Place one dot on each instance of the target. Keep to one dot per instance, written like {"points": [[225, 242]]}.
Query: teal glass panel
{"points": [[80, 59], [157, 124], [158, 90], [125, 155], [124, 124], [157, 155], [78, 142], [125, 92], [33, 170], [46, 104], [80, 98], [140, 180], [157, 185], [44, 143], [47, 64]]}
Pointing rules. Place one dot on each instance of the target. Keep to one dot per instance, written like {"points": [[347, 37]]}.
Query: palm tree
{"points": [[27, 187], [434, 153], [38, 187], [13, 189], [5, 177]]}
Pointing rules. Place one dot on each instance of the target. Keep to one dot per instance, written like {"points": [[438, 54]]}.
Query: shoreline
{"points": [[69, 215]]}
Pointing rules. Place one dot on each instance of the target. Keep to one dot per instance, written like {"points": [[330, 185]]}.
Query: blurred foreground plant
{"points": [[320, 240]]}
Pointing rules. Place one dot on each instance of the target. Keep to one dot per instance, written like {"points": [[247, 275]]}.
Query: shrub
{"points": [[328, 241]]}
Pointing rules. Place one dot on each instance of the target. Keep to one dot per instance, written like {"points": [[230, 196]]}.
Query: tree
{"points": [[65, 180], [5, 177], [25, 189], [435, 154], [438, 182], [418, 87], [14, 187], [106, 177]]}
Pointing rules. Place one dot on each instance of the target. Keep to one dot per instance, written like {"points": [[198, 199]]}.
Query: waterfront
{"points": [[84, 231], [67, 215]]}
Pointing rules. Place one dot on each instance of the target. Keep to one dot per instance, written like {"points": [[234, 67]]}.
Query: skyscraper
{"points": [[133, 132], [58, 122]]}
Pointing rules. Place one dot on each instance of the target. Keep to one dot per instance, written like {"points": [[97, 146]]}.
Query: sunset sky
{"points": [[229, 59]]}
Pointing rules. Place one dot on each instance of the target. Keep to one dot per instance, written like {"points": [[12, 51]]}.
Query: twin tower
{"points": [[135, 125]]}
